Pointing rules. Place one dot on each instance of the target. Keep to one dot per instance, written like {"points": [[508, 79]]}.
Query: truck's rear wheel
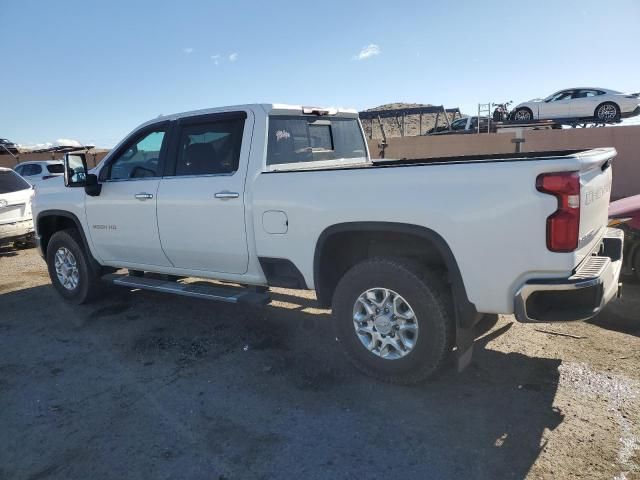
{"points": [[393, 320], [74, 274]]}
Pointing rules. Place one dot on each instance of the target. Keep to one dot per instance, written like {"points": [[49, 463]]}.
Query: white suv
{"points": [[16, 221], [36, 171]]}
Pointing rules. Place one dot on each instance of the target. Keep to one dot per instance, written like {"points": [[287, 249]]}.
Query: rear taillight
{"points": [[563, 226]]}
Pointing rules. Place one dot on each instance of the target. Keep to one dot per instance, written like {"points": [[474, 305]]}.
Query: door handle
{"points": [[226, 195], [143, 196]]}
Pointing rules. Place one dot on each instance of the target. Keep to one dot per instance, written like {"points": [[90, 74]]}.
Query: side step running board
{"points": [[208, 292]]}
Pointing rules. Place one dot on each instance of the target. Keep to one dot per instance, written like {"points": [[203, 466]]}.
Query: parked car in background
{"points": [[625, 214], [462, 125], [598, 104], [36, 171], [6, 145], [16, 222]]}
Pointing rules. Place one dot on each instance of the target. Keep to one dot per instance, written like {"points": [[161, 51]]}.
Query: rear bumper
{"points": [[579, 297], [16, 230], [632, 113]]}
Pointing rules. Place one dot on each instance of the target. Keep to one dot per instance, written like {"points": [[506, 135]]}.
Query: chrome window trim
{"points": [[169, 177], [318, 164], [117, 180]]}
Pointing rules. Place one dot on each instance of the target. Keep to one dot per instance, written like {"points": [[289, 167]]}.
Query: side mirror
{"points": [[76, 174], [75, 170]]}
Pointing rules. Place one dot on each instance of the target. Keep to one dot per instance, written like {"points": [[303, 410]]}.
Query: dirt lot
{"points": [[141, 385]]}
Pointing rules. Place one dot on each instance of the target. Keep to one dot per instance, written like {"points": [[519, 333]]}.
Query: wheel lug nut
{"points": [[377, 310], [396, 327], [383, 335], [386, 310]]}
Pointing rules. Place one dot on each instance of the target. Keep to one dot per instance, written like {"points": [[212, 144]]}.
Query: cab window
{"points": [[210, 148], [139, 159]]}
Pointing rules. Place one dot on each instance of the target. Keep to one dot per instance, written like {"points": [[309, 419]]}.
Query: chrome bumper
{"points": [[582, 295]]}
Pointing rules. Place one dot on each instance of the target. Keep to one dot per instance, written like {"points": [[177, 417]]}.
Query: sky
{"points": [[93, 71]]}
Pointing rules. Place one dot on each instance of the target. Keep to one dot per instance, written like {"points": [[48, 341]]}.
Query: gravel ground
{"points": [[144, 385]]}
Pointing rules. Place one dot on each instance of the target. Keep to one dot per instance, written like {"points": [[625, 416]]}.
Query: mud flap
{"points": [[464, 346], [466, 322]]}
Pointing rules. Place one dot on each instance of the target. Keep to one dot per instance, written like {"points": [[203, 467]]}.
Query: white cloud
{"points": [[216, 59], [35, 146], [187, 50], [233, 57], [369, 51], [66, 142], [61, 142]]}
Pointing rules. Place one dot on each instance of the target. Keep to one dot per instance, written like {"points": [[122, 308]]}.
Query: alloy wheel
{"points": [[385, 323], [66, 268]]}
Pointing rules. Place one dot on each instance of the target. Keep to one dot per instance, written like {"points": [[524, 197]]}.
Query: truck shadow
{"points": [[279, 363], [622, 314]]}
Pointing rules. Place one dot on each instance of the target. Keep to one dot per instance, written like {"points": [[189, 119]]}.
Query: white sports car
{"points": [[600, 104]]}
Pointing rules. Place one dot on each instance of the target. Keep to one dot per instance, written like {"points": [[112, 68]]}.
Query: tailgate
{"points": [[12, 213], [15, 206], [595, 191]]}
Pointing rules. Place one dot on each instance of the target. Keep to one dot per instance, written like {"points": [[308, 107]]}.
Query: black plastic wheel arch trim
{"points": [[66, 214], [281, 272], [465, 311]]}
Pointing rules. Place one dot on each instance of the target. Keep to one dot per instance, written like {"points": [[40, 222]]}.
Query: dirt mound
{"points": [[393, 126]]}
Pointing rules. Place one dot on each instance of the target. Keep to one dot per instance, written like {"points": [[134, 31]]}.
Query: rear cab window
{"points": [[301, 141], [11, 182]]}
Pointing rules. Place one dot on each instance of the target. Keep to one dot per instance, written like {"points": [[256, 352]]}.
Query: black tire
{"points": [[613, 118], [526, 112], [428, 298], [636, 265], [88, 269]]}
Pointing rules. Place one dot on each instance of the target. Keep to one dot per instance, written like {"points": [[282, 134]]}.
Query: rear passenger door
{"points": [[201, 210], [584, 103]]}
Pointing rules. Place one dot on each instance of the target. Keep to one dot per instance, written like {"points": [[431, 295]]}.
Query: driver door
{"points": [[558, 106], [122, 219]]}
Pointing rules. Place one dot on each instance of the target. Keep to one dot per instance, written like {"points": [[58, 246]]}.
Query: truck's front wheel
{"points": [[74, 274], [393, 320]]}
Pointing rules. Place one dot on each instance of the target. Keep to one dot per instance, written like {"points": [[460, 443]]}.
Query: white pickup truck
{"points": [[409, 254]]}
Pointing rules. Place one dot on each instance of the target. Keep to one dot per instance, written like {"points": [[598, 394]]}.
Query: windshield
{"points": [[10, 182], [459, 124], [298, 139]]}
